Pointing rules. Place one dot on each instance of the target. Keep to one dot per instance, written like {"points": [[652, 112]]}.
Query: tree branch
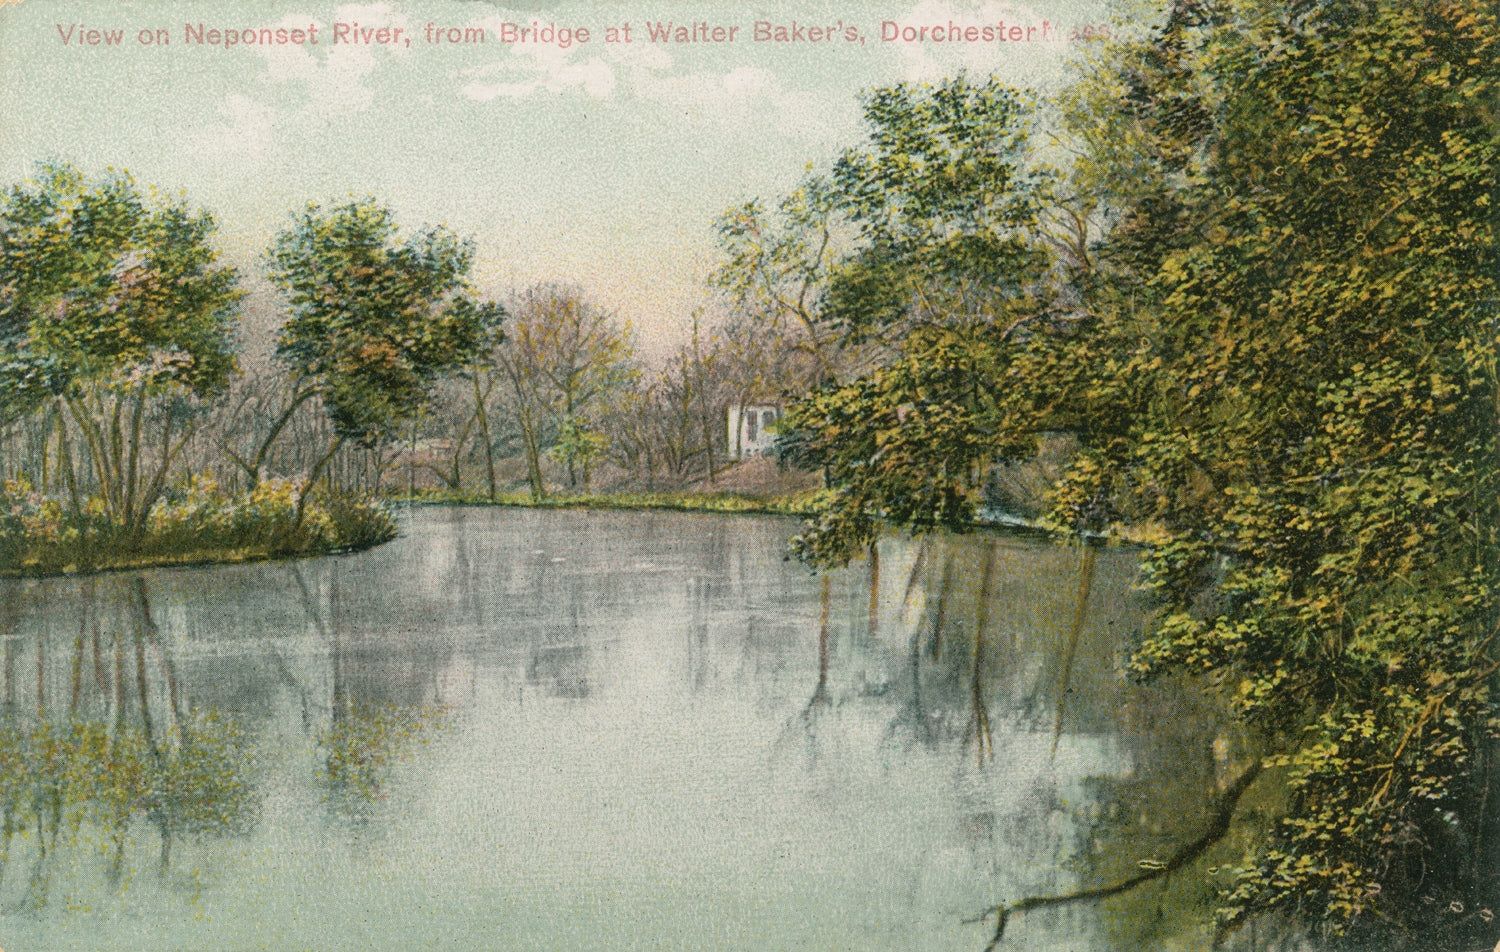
{"points": [[1217, 828]]}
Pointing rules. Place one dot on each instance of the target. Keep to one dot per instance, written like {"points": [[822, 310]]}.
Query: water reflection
{"points": [[97, 748], [573, 731]]}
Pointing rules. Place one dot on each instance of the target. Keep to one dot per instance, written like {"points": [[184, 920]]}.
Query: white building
{"points": [[751, 430]]}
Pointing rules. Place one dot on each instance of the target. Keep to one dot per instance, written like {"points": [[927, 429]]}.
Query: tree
{"points": [[562, 356], [775, 270], [1327, 384], [375, 321], [631, 426], [944, 208], [686, 407], [484, 385], [710, 366], [116, 314], [930, 222], [1299, 390], [946, 274]]}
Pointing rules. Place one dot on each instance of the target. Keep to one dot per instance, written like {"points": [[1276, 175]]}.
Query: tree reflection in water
{"points": [[1066, 778], [362, 747], [104, 767], [81, 782], [372, 724]]}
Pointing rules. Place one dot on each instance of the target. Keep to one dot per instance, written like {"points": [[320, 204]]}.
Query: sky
{"points": [[592, 160]]}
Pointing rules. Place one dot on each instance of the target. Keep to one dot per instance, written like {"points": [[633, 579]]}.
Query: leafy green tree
{"points": [[776, 265], [1322, 428], [375, 321], [1290, 371], [946, 272], [580, 448], [929, 222], [115, 312], [943, 207]]}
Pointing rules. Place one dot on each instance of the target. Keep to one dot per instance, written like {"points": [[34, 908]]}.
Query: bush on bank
{"points": [[194, 522]]}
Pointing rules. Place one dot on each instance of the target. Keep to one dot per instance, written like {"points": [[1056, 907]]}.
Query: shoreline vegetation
{"points": [[200, 525], [806, 504], [724, 501], [197, 524]]}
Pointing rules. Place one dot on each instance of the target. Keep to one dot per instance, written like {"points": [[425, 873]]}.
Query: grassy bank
{"points": [[195, 523], [794, 504]]}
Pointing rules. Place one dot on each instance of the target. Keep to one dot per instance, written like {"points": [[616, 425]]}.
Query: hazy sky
{"points": [[603, 163]]}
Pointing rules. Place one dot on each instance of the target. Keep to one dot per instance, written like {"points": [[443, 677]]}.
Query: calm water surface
{"points": [[580, 731]]}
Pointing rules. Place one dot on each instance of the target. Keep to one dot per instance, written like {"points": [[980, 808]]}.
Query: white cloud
{"points": [[634, 56], [334, 73], [747, 81], [642, 72], [707, 96], [484, 92], [542, 70], [245, 139], [744, 97], [531, 67]]}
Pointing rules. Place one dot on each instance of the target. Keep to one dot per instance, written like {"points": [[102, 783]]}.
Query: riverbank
{"points": [[200, 526], [790, 504], [803, 504]]}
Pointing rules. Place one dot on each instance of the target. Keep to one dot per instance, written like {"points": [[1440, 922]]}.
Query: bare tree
{"points": [[562, 355], [775, 269]]}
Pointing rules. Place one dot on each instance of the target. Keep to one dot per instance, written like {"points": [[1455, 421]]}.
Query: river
{"points": [[557, 730]]}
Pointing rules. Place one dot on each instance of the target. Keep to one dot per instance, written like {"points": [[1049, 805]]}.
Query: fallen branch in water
{"points": [[1218, 827]]}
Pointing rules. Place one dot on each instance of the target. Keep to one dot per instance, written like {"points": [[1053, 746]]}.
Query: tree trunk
{"points": [[65, 460], [708, 443], [312, 478], [533, 455], [158, 484], [132, 469], [484, 432], [256, 463]]}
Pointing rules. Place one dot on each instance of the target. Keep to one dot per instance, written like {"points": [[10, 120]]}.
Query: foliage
{"points": [[941, 203], [1288, 362], [103, 286], [578, 446], [563, 355], [904, 444], [265, 520], [926, 223], [195, 521], [800, 503], [359, 522], [374, 322], [117, 312], [1319, 405], [776, 264], [946, 272]]}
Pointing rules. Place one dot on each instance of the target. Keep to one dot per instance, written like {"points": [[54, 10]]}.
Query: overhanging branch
{"points": [[1217, 828]]}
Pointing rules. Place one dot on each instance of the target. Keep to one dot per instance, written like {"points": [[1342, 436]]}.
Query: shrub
{"points": [[194, 520]]}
